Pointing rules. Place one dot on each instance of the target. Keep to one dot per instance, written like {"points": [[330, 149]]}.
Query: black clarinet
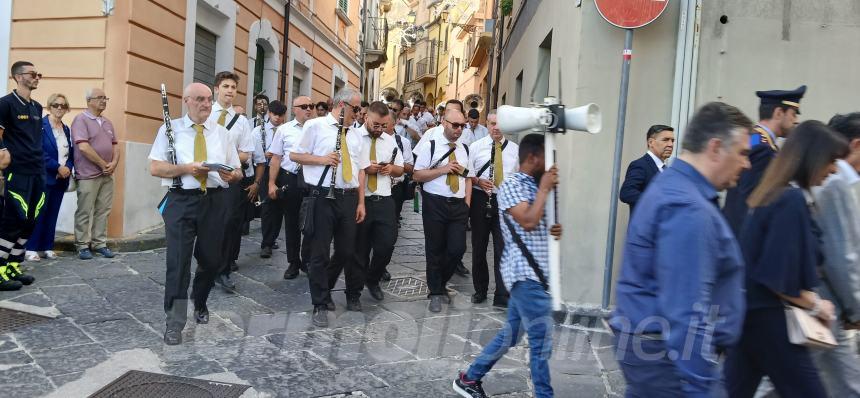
{"points": [[168, 132], [489, 207], [393, 156], [336, 149]]}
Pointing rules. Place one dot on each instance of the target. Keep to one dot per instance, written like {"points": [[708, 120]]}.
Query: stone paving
{"points": [[109, 319]]}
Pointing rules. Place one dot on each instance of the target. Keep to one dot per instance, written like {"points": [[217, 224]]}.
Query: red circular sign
{"points": [[630, 14]]}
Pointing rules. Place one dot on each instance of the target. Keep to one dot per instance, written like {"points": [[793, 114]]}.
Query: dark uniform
{"points": [[21, 121], [287, 206], [763, 148], [194, 220]]}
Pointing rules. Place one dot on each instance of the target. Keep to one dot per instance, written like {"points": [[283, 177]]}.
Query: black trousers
{"points": [[482, 227], [444, 238], [764, 349], [194, 224], [235, 217], [24, 200], [334, 219], [398, 193], [376, 234], [284, 210]]}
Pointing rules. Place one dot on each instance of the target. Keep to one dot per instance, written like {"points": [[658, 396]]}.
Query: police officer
{"points": [[194, 214], [333, 218], [21, 135], [271, 212], [494, 157], [238, 193], [778, 116], [378, 232], [446, 196], [285, 172]]}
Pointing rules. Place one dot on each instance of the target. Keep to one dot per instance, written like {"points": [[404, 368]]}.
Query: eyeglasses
{"points": [[456, 126], [33, 74], [380, 126], [60, 106], [100, 98], [304, 107]]}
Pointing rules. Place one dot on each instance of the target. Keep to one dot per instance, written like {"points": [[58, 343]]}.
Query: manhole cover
{"points": [[11, 319], [409, 287], [145, 385]]}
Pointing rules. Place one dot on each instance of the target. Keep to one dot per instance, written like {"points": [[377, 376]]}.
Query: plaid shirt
{"points": [[514, 267]]}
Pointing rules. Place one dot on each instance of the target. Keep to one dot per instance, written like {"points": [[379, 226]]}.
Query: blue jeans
{"points": [[529, 308]]}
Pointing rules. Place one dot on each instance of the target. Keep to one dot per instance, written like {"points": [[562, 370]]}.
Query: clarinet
{"points": [[168, 132], [489, 207], [393, 156], [336, 149]]}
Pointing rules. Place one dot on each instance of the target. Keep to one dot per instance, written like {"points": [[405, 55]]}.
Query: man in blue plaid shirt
{"points": [[521, 206]]}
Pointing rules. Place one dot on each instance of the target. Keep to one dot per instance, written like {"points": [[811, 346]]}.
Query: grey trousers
{"points": [[95, 198], [839, 367]]}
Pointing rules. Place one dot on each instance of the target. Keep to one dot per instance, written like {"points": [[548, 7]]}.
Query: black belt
{"points": [[448, 199], [322, 191], [375, 198], [196, 191]]}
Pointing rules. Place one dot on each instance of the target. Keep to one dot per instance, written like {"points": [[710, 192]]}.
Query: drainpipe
{"points": [[282, 96], [362, 42], [498, 54], [686, 66]]}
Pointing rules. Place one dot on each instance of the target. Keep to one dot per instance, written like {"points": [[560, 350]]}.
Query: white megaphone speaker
{"points": [[553, 117]]}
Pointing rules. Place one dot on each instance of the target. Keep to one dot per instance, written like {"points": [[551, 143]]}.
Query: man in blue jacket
{"points": [[661, 142]]}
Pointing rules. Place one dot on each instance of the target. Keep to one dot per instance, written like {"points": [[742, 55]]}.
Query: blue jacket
{"points": [[49, 149], [639, 174]]}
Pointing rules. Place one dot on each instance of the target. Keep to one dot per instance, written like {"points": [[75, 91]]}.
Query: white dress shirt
{"points": [[427, 119], [385, 145], [657, 161], [240, 133], [218, 150], [262, 144], [406, 150], [285, 138], [439, 132], [319, 138], [477, 133], [418, 121], [439, 185], [62, 145], [479, 155]]}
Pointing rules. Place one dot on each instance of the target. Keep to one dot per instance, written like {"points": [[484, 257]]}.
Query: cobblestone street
{"points": [[109, 319]]}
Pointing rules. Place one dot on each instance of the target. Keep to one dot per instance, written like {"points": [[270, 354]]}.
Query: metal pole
{"points": [[363, 45], [554, 246], [616, 167]]}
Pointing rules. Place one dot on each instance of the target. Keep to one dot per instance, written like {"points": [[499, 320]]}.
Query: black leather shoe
{"points": [[376, 292], [276, 246], [266, 252], [13, 270], [172, 337], [500, 301], [386, 276], [435, 304], [304, 268], [291, 273], [201, 316], [461, 270], [320, 316], [353, 304], [10, 285], [479, 298], [226, 282], [330, 306], [233, 266]]}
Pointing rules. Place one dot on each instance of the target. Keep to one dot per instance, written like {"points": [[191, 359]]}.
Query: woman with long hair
{"points": [[56, 146], [780, 243]]}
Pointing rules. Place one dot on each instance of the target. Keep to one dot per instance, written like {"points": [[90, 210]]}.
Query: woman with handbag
{"points": [[56, 144], [780, 243]]}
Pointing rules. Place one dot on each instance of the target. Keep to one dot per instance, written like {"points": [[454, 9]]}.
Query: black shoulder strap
{"points": [[432, 149], [466, 147], [322, 177], [492, 158], [399, 143], [232, 121], [525, 251]]}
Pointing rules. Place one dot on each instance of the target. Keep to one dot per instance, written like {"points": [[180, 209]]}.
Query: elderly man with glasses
{"points": [[96, 158]]}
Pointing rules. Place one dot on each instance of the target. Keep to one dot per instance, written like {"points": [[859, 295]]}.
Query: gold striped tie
{"points": [[200, 153], [498, 172], [223, 118], [453, 179], [346, 168], [371, 181]]}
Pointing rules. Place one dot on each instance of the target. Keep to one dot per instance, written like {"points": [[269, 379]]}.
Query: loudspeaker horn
{"points": [[512, 119], [583, 118]]}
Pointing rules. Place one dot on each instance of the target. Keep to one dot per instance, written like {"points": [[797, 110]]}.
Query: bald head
{"points": [[300, 102], [453, 122], [198, 100]]}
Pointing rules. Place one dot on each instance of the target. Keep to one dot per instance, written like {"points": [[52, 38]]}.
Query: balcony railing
{"points": [[425, 69], [376, 42]]}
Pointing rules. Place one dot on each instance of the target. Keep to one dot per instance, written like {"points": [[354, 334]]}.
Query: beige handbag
{"points": [[806, 330]]}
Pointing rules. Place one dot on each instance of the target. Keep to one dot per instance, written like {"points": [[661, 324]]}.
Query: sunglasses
{"points": [[33, 75], [100, 98], [456, 126], [304, 107], [60, 106]]}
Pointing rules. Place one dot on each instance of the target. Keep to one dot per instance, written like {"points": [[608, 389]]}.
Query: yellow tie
{"points": [[453, 179], [346, 168], [200, 152], [371, 182], [498, 171], [223, 118]]}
